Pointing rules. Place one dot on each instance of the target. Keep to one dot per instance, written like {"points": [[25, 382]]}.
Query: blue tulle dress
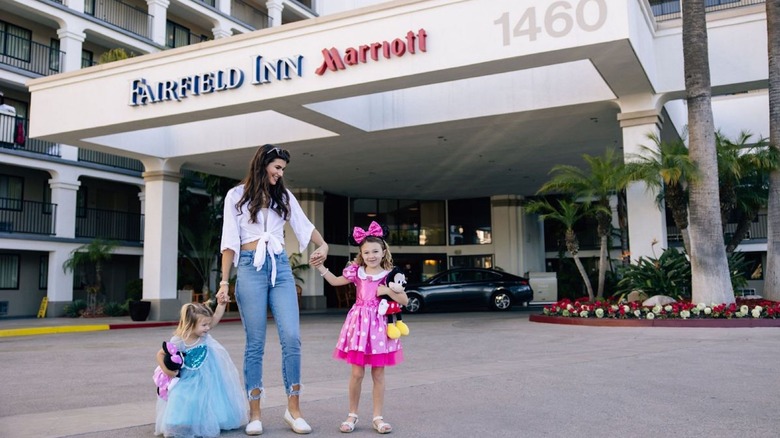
{"points": [[207, 398]]}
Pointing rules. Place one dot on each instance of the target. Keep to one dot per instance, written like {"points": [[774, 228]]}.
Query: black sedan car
{"points": [[469, 287]]}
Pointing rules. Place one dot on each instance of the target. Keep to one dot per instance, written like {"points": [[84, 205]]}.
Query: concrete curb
{"points": [[54, 329], [676, 323]]}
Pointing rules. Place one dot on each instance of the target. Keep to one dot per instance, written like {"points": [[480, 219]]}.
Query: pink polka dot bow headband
{"points": [[360, 234]]}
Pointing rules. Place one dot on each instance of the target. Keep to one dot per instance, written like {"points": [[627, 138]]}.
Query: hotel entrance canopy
{"points": [[407, 99]]}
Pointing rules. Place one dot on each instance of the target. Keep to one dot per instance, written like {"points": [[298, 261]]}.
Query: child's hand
{"points": [[383, 290]]}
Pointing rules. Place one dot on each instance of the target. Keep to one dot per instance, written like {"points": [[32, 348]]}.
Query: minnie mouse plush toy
{"points": [[396, 281], [173, 360]]}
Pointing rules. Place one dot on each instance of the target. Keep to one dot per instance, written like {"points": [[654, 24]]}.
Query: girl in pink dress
{"points": [[363, 339]]}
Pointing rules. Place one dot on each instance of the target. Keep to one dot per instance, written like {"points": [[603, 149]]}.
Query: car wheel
{"points": [[500, 301], [414, 305]]}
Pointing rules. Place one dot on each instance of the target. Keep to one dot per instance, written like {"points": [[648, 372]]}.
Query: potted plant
{"points": [[136, 307], [297, 267], [88, 260]]}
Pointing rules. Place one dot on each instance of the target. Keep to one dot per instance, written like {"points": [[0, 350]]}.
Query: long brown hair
{"points": [[188, 318], [258, 191]]}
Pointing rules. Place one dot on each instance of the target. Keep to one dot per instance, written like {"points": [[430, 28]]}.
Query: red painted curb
{"points": [[157, 324], [693, 323]]}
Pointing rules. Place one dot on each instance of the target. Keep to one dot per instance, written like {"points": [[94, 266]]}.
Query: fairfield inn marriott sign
{"points": [[143, 92]]}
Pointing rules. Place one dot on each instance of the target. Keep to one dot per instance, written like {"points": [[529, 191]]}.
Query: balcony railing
{"points": [[29, 56], [29, 217], [109, 225], [190, 39], [121, 15], [13, 135], [758, 230], [671, 9], [250, 15], [105, 159]]}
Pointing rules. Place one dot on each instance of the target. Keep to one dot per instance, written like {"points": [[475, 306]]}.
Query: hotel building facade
{"points": [[437, 118]]}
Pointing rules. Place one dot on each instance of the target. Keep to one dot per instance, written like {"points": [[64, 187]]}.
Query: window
{"points": [[43, 272], [473, 261], [178, 35], [9, 271], [87, 59], [336, 221], [11, 189], [409, 222], [15, 42], [433, 227], [81, 202], [469, 221], [47, 207], [54, 55]]}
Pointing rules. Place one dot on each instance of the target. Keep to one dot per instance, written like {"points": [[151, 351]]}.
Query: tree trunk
{"points": [[574, 248], [743, 226], [710, 279], [622, 209], [772, 271], [602, 266], [678, 204]]}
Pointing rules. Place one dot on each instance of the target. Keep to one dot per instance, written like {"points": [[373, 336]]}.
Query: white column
{"points": [[221, 32], [71, 41], [518, 240], [76, 5], [161, 231], [158, 9], [646, 220], [224, 6], [63, 194], [275, 12], [311, 201], [60, 283]]}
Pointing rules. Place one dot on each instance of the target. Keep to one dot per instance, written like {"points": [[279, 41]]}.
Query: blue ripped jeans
{"points": [[255, 295]]}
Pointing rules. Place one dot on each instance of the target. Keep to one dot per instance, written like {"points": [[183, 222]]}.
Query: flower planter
{"points": [[139, 310], [635, 322]]}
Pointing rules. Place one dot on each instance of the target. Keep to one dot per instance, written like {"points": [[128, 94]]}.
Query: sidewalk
{"points": [[465, 374], [42, 326]]}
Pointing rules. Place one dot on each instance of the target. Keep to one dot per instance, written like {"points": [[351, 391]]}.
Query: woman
{"points": [[253, 240]]}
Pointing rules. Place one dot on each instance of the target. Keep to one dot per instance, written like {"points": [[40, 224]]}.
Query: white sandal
{"points": [[349, 426], [382, 427]]}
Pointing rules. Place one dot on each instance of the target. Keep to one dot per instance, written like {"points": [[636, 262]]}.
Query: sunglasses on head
{"points": [[280, 152]]}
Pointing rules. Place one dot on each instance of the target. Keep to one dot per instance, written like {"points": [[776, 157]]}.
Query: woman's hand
{"points": [[223, 295], [319, 255]]}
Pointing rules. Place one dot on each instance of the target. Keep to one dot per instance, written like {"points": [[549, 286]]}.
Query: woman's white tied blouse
{"points": [[238, 230]]}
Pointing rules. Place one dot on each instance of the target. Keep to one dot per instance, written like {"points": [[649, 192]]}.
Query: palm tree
{"points": [[200, 220], [772, 271], [566, 212], [743, 174], [709, 268], [604, 177], [200, 248], [87, 257], [666, 169]]}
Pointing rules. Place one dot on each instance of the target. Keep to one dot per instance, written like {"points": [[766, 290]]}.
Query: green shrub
{"points": [[134, 290], [670, 274], [114, 309], [75, 309]]}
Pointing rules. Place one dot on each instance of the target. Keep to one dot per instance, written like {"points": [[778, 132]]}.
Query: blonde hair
{"points": [[188, 318], [387, 259]]}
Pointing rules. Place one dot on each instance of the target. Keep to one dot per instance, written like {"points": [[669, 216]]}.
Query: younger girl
{"points": [[208, 396], [363, 339]]}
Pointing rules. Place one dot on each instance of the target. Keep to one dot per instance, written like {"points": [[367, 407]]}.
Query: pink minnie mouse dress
{"points": [[363, 339]]}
